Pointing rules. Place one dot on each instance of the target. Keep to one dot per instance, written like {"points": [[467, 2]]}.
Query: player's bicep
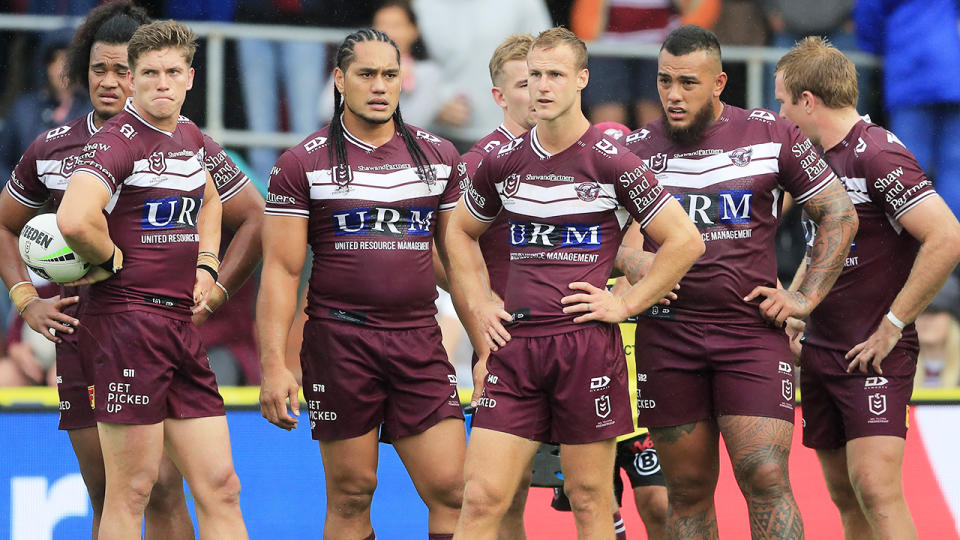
{"points": [[671, 223], [245, 207], [463, 221], [14, 215], [833, 202], [929, 218], [283, 241], [85, 192]]}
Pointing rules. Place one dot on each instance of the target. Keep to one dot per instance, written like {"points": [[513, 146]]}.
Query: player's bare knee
{"points": [[219, 488], [351, 492], [875, 491], [447, 494], [763, 479], [481, 498], [135, 492], [587, 498], [166, 495]]}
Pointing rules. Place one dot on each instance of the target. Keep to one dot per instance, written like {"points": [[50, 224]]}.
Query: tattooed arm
{"points": [[837, 224]]}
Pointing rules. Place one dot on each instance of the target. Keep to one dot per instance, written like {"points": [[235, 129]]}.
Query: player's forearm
{"points": [[209, 220], [469, 282], [12, 269], [937, 257], [243, 254], [632, 263], [836, 227], [798, 276], [276, 306], [671, 262], [439, 271], [86, 232]]}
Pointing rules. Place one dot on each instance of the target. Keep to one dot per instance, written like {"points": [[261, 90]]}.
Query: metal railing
{"points": [[217, 33]]}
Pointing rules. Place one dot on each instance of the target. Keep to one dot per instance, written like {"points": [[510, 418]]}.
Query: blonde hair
{"points": [[514, 47], [816, 66], [549, 39], [161, 35]]}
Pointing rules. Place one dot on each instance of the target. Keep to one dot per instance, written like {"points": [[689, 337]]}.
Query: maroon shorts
{"points": [[356, 378], [688, 372], [568, 388], [840, 406], [148, 368], [74, 383]]}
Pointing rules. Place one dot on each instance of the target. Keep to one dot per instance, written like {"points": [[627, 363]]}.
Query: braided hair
{"points": [[340, 168], [112, 23]]}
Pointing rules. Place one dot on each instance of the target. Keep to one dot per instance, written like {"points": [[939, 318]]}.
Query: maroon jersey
{"points": [[564, 214], [371, 238], [227, 176], [156, 180], [731, 184], [884, 182], [493, 242], [41, 175]]}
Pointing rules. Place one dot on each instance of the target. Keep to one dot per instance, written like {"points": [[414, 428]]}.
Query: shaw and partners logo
{"points": [[394, 222], [179, 212], [725, 207], [529, 233]]}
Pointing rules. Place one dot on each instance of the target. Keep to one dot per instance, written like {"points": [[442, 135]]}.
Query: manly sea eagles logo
{"points": [[741, 156], [877, 403], [511, 185], [658, 163], [588, 191], [68, 165], [158, 163]]}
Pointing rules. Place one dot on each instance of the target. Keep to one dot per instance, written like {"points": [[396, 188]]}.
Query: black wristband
{"points": [[209, 269], [110, 265]]}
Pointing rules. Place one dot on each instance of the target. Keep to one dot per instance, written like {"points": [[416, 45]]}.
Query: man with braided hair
{"points": [[370, 194]]}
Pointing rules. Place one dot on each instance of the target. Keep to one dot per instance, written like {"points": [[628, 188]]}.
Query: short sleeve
{"points": [[472, 160], [227, 176], [481, 198], [25, 186], [895, 181], [288, 191], [637, 189], [456, 184], [107, 158], [803, 172]]}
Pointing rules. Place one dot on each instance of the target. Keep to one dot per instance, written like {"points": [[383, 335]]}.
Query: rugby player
{"points": [[860, 347], [714, 361], [560, 186], [370, 194], [152, 386]]}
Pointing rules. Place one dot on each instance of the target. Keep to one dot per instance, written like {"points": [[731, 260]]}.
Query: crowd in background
{"points": [[445, 46]]}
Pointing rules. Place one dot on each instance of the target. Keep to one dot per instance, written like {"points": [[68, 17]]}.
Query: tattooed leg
{"points": [[759, 449], [689, 458]]}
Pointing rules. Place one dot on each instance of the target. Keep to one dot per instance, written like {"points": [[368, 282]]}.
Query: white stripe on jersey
{"points": [[286, 212], [21, 199], [468, 202], [700, 173], [393, 186], [181, 175], [857, 189], [235, 189], [558, 200], [96, 174], [538, 149], [811, 193], [653, 213], [49, 173], [912, 204]]}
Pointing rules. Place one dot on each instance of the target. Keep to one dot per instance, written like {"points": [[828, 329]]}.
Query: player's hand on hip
{"points": [[794, 329], [277, 387], [45, 314], [595, 303], [479, 377], [779, 304], [871, 352], [670, 297], [94, 275], [491, 317], [215, 299], [201, 290]]}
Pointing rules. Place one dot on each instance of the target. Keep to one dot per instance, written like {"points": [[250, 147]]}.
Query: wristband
{"points": [[208, 269], [115, 262], [895, 321], [22, 294]]}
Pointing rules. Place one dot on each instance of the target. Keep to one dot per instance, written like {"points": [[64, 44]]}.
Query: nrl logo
{"points": [[588, 191], [658, 163], [68, 165], [741, 156], [158, 163], [602, 406], [786, 388], [511, 185], [877, 403], [341, 175]]}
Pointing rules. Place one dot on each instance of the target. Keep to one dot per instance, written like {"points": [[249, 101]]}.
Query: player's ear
{"points": [[498, 98], [338, 79], [719, 83], [190, 74], [583, 78], [808, 100]]}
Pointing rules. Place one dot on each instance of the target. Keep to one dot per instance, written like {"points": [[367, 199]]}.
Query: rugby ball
{"points": [[44, 250]]}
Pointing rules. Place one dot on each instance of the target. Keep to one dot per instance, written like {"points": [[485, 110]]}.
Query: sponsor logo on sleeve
{"points": [[429, 137], [638, 136], [57, 132], [509, 147], [761, 115], [273, 198], [861, 146], [127, 131], [314, 143], [606, 147], [491, 145], [891, 138]]}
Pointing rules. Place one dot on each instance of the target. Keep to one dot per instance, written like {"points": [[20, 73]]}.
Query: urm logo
{"points": [[179, 212], [726, 207], [553, 236], [383, 221]]}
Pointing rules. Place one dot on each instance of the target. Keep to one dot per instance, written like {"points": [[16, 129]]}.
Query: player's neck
{"points": [[558, 134], [168, 124], [368, 132], [835, 124], [513, 126]]}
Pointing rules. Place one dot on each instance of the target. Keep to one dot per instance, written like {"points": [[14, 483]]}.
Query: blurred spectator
{"points": [[29, 358], [461, 35], [33, 113], [920, 45], [938, 365], [792, 21], [621, 82], [422, 77], [297, 67]]}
